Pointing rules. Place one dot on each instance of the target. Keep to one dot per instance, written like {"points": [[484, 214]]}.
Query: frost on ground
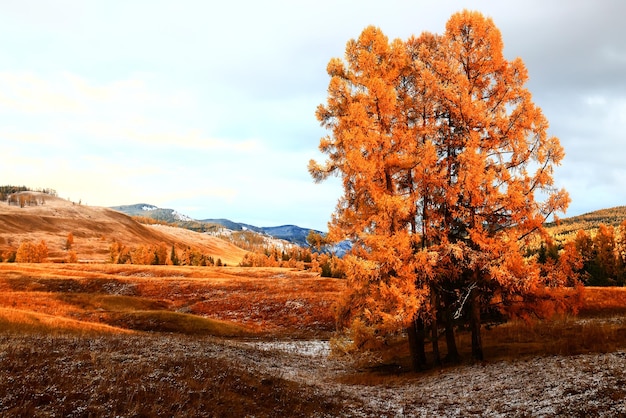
{"points": [[583, 385], [308, 348], [586, 385], [175, 376]]}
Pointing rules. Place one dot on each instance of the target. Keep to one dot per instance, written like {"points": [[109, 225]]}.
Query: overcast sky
{"points": [[209, 107]]}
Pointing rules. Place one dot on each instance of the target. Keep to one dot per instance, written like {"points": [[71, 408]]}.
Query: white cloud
{"points": [[27, 93], [211, 105], [127, 141]]}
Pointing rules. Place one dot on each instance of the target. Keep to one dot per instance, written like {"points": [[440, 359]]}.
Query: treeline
{"points": [[37, 252], [597, 259], [160, 254], [17, 196], [247, 240], [309, 258], [23, 200], [150, 221], [196, 226], [261, 254], [298, 258]]}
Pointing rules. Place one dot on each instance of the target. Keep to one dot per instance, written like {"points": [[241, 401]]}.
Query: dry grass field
{"points": [[226, 301], [101, 340], [122, 340]]}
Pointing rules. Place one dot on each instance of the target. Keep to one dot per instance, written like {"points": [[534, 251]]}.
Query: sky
{"points": [[208, 108]]}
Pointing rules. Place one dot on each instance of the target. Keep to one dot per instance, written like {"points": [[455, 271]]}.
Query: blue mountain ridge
{"points": [[291, 233]]}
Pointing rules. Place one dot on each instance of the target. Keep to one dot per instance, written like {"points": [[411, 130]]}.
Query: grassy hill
{"points": [[50, 218], [567, 228]]}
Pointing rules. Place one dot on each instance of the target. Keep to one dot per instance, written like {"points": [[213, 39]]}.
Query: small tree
{"points": [[606, 254], [9, 255], [316, 240], [69, 241], [72, 257], [29, 252], [173, 256], [161, 253]]}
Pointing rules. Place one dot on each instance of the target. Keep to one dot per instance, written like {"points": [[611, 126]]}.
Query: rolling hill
{"points": [[95, 229], [291, 233], [567, 228]]}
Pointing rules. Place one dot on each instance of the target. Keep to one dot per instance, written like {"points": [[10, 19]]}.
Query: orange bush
{"points": [[29, 252]]}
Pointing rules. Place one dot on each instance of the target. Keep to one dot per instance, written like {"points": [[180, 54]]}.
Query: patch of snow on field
{"points": [[309, 348]]}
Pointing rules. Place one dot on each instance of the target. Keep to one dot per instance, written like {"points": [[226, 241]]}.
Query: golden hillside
{"points": [[567, 228], [51, 219]]}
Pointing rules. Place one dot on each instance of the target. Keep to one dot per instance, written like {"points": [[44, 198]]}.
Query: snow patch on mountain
{"points": [[181, 217]]}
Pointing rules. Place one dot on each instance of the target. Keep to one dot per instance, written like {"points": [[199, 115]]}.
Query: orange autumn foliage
{"points": [[29, 252], [443, 158]]}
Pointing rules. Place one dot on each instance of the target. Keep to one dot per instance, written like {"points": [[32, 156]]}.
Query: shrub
{"points": [[29, 252]]}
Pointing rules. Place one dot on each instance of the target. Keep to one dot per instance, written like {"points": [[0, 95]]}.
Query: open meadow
{"points": [[120, 340]]}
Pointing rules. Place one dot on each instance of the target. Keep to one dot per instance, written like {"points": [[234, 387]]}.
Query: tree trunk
{"points": [[434, 327], [416, 345], [453, 353], [413, 349], [477, 344], [421, 338]]}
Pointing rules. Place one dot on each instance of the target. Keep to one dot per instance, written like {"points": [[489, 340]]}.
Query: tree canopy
{"points": [[447, 168]]}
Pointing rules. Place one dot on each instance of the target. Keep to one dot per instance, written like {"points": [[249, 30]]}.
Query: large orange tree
{"points": [[446, 167]]}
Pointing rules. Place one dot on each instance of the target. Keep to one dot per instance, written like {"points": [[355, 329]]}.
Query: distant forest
{"points": [[594, 245]]}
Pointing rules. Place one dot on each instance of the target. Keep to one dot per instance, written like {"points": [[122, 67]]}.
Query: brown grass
{"points": [[189, 300], [265, 302], [564, 337], [144, 376], [600, 327], [16, 320], [107, 340]]}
